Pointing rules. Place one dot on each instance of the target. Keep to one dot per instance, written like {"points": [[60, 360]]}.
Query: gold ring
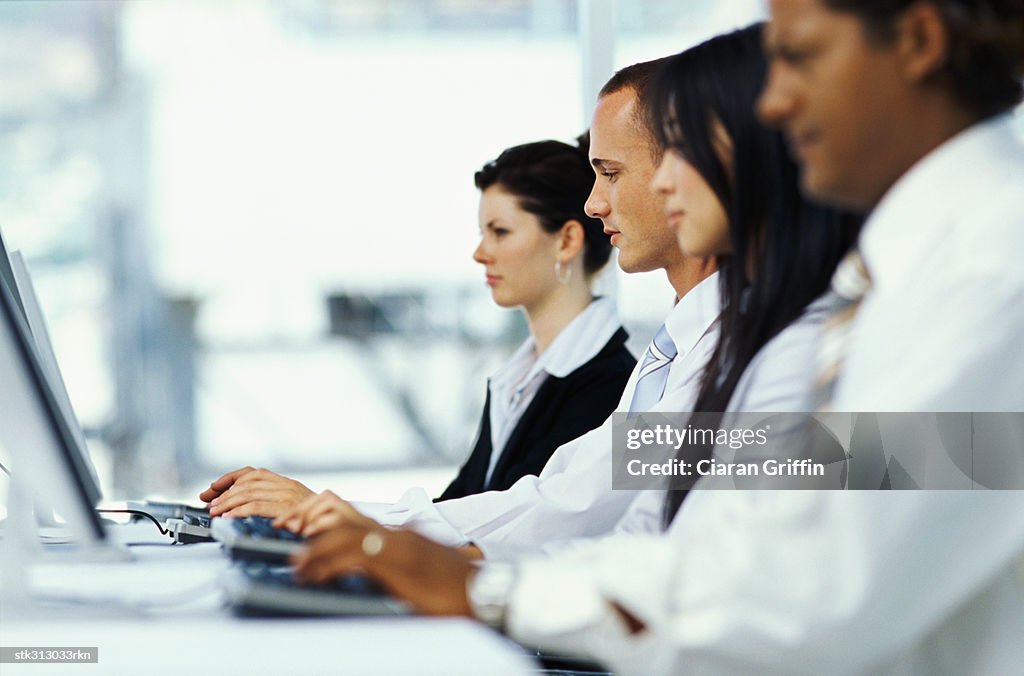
{"points": [[373, 542]]}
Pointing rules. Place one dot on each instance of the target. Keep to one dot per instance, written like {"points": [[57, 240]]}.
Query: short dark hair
{"points": [[985, 63], [552, 181], [639, 77]]}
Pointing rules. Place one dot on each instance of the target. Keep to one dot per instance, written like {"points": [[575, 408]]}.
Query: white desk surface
{"points": [[163, 613]]}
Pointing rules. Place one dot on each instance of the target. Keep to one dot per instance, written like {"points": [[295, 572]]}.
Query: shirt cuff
{"points": [[488, 591], [416, 510]]}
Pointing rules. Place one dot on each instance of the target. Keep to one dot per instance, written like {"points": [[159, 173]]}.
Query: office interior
{"points": [[237, 215], [247, 222], [230, 209]]}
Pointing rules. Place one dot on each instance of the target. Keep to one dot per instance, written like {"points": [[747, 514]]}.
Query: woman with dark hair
{"points": [[732, 192], [541, 253]]}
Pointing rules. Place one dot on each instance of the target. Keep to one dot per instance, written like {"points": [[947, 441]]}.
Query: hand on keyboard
{"points": [[249, 492], [321, 513]]}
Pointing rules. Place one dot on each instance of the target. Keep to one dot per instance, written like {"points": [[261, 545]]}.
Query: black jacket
{"points": [[562, 409]]}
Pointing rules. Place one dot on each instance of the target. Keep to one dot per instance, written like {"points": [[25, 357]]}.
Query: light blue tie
{"points": [[650, 386]]}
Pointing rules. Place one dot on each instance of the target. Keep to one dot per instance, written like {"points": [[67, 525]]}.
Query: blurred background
{"points": [[250, 222]]}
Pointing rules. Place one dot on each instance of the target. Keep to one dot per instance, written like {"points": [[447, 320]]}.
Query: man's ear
{"points": [[922, 40], [570, 241]]}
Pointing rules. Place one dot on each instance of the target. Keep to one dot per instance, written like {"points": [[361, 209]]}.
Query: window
{"points": [[250, 222]]}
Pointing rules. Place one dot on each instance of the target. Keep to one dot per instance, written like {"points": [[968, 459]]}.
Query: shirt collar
{"points": [[924, 204], [574, 346], [582, 339], [694, 314]]}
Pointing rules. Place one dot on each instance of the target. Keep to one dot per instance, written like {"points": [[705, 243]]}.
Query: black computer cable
{"points": [[137, 512]]}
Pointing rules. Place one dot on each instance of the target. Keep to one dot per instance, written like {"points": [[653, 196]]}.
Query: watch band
{"points": [[489, 590]]}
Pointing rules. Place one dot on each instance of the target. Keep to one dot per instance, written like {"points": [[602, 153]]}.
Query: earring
{"points": [[563, 273]]}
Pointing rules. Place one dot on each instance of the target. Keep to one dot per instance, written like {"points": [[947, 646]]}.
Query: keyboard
{"points": [[201, 519], [162, 511], [259, 589], [283, 576], [254, 539], [259, 527], [187, 523]]}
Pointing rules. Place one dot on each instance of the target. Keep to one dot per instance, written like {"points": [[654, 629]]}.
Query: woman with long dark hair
{"points": [[732, 193], [776, 250]]}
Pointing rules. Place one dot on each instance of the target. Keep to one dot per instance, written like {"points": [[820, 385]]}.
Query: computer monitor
{"points": [[43, 452], [48, 359], [7, 273]]}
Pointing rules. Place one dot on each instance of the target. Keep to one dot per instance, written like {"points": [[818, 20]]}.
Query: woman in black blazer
{"points": [[540, 252]]}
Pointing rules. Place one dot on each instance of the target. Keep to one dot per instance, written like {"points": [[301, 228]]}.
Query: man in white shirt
{"points": [[573, 497], [899, 107]]}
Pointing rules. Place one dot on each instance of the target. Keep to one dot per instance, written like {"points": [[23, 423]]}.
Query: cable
{"points": [[6, 471], [163, 531]]}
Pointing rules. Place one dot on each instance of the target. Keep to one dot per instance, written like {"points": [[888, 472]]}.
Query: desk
{"points": [[163, 614]]}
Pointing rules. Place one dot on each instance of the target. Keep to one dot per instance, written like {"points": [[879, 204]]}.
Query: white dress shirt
{"points": [[573, 496], [945, 316], [894, 582], [514, 385], [779, 379]]}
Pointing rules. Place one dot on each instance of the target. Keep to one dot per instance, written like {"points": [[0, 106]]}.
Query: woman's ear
{"points": [[570, 241]]}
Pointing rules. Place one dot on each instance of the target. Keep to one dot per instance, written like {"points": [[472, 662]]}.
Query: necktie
{"points": [[850, 284], [650, 385]]}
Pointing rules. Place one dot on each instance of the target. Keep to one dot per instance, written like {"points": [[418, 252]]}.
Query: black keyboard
{"points": [[282, 576], [259, 527], [262, 590], [254, 539]]}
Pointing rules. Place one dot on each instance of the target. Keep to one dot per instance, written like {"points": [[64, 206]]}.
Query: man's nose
{"points": [[775, 104], [596, 205]]}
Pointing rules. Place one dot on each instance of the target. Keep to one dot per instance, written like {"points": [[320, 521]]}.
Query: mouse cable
{"points": [[163, 531]]}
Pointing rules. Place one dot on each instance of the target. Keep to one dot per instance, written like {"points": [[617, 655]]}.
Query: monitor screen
{"points": [[34, 430], [7, 273], [25, 290]]}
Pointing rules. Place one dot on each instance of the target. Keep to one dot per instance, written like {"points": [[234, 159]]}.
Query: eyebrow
{"points": [[775, 42], [771, 44], [604, 164]]}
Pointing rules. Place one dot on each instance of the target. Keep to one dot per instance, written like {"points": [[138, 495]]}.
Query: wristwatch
{"points": [[489, 590]]}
